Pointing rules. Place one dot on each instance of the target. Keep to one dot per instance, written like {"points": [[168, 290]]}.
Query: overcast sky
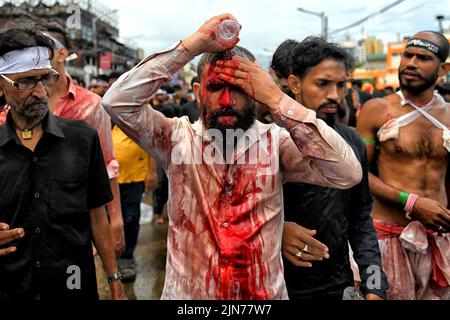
{"points": [[155, 24]]}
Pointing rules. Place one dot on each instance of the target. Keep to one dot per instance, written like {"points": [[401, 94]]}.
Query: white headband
{"points": [[24, 60], [58, 43]]}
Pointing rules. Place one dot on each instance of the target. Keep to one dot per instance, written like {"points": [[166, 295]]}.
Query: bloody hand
{"points": [[252, 79]]}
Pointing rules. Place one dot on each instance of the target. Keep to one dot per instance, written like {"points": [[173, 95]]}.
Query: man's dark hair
{"points": [[194, 80], [313, 50], [210, 58], [114, 75], [443, 88], [282, 58], [358, 83], [22, 38], [168, 88], [442, 41], [58, 32], [103, 77], [177, 87]]}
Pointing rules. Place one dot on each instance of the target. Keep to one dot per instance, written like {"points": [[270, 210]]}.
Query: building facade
{"points": [[92, 27]]}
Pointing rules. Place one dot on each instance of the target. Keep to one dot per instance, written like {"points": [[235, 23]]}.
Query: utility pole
{"points": [[325, 27], [95, 43], [323, 20], [441, 19]]}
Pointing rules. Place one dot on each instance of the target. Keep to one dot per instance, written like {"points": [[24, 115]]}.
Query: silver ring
{"points": [[299, 255], [305, 249]]}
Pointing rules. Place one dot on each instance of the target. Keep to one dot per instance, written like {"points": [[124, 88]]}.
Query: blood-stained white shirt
{"points": [[226, 217]]}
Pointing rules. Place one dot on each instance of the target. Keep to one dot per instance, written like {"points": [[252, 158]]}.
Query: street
{"points": [[150, 258]]}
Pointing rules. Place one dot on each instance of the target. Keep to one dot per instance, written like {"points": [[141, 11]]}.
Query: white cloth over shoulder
{"points": [[391, 129]]}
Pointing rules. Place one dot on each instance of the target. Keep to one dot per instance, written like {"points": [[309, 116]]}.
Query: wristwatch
{"points": [[114, 277]]}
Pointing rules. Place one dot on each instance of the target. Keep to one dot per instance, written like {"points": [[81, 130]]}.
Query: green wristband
{"points": [[403, 198], [367, 140]]}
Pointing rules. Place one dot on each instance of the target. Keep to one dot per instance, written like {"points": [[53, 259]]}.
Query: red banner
{"points": [[105, 60]]}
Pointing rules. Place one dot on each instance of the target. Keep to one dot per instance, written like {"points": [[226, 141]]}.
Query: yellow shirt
{"points": [[133, 161]]}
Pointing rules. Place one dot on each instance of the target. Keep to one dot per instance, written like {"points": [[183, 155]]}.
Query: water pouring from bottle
{"points": [[226, 33]]}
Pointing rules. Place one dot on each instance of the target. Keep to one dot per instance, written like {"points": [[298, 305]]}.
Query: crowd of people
{"points": [[300, 185]]}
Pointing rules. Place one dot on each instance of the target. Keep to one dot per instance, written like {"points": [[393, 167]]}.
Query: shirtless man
{"points": [[411, 191]]}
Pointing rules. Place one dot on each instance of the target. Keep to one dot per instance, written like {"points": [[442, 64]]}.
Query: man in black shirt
{"points": [[191, 109], [355, 99], [54, 185], [321, 221]]}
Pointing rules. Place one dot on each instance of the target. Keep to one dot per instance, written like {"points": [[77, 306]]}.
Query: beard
{"points": [[329, 118], [245, 117], [425, 84], [33, 111]]}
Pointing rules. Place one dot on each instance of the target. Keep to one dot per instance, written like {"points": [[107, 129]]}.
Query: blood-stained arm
{"points": [[311, 151], [125, 100], [98, 119], [447, 184]]}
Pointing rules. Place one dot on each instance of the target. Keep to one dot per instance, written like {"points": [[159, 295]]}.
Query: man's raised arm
{"points": [[125, 101], [314, 153]]}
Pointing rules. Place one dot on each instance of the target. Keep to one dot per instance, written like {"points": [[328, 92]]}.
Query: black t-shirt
{"points": [[340, 217], [49, 193], [168, 110], [191, 110]]}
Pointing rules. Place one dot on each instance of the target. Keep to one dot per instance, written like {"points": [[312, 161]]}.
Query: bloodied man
{"points": [[226, 218]]}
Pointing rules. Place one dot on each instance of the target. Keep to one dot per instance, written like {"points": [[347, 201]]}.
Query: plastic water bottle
{"points": [[227, 32]]}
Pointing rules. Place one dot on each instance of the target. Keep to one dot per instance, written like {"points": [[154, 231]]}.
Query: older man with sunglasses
{"points": [[54, 185], [73, 102]]}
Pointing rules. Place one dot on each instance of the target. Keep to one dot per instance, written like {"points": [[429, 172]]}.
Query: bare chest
{"points": [[420, 139]]}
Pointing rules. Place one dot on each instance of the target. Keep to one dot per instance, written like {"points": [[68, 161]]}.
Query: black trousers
{"points": [[131, 197]]}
